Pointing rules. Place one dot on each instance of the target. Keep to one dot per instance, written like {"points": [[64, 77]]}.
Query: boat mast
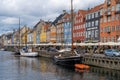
{"points": [[19, 33], [72, 24]]}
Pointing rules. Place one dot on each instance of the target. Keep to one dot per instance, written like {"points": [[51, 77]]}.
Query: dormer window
{"points": [[108, 2]]}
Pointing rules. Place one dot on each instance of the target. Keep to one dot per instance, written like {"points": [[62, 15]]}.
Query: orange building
{"points": [[79, 26], [110, 21], [53, 33]]}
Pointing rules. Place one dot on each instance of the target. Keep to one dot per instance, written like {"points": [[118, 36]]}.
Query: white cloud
{"points": [[10, 20], [31, 11]]}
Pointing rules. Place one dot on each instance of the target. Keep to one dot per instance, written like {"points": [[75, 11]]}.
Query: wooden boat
{"points": [[28, 53], [70, 57], [68, 60]]}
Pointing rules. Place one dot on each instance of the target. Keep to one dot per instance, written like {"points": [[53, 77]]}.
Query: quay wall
{"points": [[106, 62]]}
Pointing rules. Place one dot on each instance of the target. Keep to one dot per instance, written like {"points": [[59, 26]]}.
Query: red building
{"points": [[79, 26], [110, 21]]}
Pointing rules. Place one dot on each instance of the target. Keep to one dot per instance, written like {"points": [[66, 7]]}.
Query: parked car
{"points": [[112, 52]]}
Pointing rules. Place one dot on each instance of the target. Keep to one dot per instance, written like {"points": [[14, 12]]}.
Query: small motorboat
{"points": [[82, 66], [28, 53], [2, 49]]}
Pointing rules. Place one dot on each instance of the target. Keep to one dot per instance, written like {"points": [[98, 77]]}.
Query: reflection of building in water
{"points": [[46, 65], [29, 63], [111, 74]]}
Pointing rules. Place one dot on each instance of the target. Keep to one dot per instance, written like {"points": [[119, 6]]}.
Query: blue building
{"points": [[67, 29]]}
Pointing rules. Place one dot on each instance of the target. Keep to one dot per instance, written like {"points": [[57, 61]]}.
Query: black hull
{"points": [[17, 53], [70, 61]]}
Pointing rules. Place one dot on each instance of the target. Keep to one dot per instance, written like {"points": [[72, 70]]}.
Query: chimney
{"points": [[64, 11]]}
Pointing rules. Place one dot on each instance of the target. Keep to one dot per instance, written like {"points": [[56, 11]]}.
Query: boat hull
{"points": [[29, 54], [68, 61]]}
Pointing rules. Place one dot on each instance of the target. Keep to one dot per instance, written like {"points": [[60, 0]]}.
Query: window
{"points": [[88, 16], [96, 15], [113, 18], [109, 19], [92, 33], [108, 29], [89, 24], [118, 7], [113, 8], [113, 28], [105, 19], [96, 23], [109, 9], [117, 17], [96, 33], [92, 23], [89, 34], [92, 15]]}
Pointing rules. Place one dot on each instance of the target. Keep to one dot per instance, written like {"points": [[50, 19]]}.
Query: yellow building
{"points": [[23, 34], [16, 37], [43, 34]]}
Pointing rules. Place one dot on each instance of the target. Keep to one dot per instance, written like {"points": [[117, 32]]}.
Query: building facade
{"points": [[110, 21], [37, 31], [92, 24], [43, 32], [79, 26], [59, 28], [53, 33], [30, 37], [67, 28]]}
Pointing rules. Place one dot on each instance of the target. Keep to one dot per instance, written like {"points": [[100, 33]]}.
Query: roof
{"points": [[58, 18], [96, 8]]}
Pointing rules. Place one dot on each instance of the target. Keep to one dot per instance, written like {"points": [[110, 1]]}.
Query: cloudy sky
{"points": [[31, 11]]}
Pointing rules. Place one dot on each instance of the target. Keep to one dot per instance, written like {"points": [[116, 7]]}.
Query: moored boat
{"points": [[28, 53], [68, 59], [81, 66]]}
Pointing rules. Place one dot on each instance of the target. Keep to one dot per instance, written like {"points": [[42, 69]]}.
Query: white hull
{"points": [[28, 54], [2, 49]]}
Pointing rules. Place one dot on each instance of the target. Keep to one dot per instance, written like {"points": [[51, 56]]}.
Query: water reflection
{"points": [[22, 68], [108, 73]]}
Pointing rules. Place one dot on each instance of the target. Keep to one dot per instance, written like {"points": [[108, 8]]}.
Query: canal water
{"points": [[23, 68]]}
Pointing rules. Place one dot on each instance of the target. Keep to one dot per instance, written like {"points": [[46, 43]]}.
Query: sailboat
{"points": [[69, 57], [28, 53], [25, 51]]}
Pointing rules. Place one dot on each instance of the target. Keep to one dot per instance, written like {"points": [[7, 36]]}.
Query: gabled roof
{"points": [[58, 18], [38, 23]]}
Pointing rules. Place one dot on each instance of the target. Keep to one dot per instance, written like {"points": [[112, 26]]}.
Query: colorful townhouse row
{"points": [[98, 24]]}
